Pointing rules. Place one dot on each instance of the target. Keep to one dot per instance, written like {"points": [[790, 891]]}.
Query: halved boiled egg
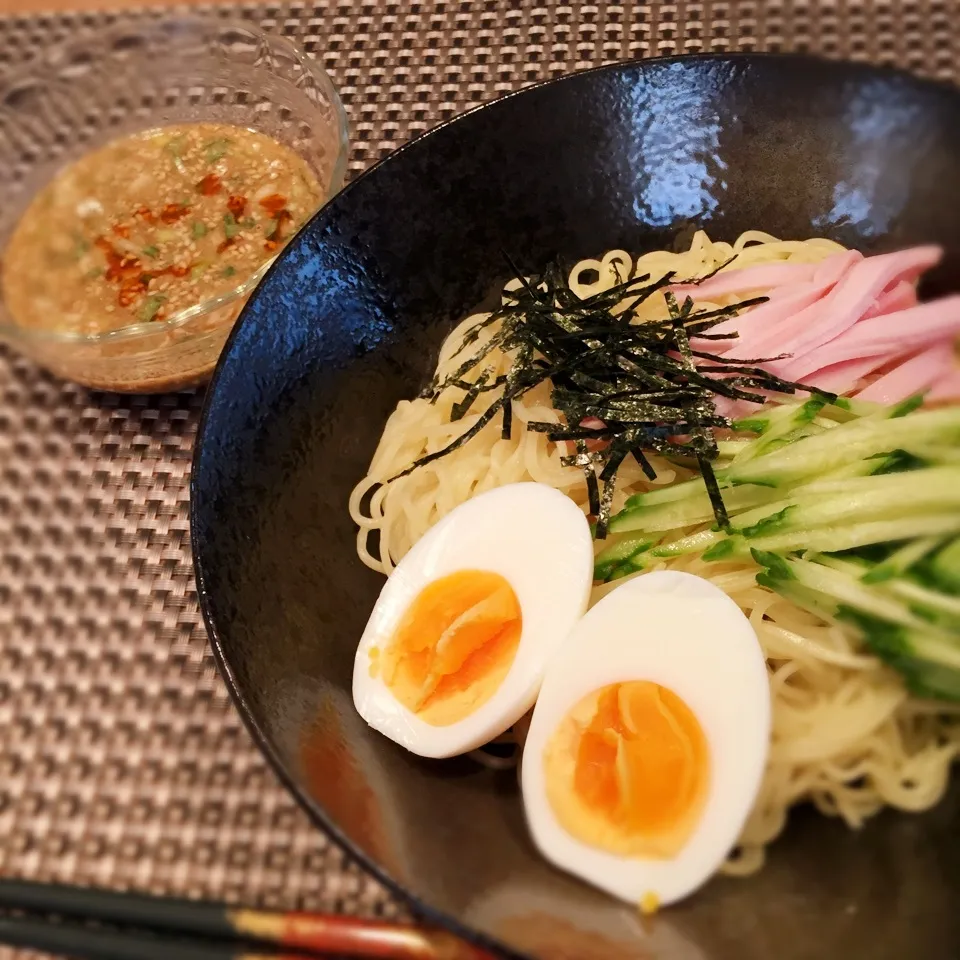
{"points": [[460, 637], [649, 739]]}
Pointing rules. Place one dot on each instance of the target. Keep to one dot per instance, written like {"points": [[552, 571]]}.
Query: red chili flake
{"points": [[119, 267], [209, 185], [145, 214], [226, 244], [129, 273], [273, 204], [130, 290], [173, 212], [273, 240], [236, 205], [121, 230]]}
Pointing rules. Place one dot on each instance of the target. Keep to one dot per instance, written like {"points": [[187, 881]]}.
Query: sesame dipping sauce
{"points": [[153, 224]]}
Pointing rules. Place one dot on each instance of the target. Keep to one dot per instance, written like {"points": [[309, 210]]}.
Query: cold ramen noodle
{"points": [[685, 530], [153, 224]]}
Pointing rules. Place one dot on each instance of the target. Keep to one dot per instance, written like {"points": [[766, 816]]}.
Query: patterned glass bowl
{"points": [[112, 83]]}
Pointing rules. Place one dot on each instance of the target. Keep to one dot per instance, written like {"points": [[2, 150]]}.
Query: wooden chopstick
{"points": [[84, 943], [302, 933]]}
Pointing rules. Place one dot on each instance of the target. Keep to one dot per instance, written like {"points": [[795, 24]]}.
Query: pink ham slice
{"points": [[849, 300], [843, 377], [899, 297], [761, 327], [946, 388], [891, 334], [912, 376], [592, 423]]}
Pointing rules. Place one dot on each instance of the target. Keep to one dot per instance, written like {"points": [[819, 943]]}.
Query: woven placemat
{"points": [[122, 761]]}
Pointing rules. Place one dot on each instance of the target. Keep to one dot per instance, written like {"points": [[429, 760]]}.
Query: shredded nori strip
{"points": [[586, 461], [484, 419], [641, 380], [713, 491]]}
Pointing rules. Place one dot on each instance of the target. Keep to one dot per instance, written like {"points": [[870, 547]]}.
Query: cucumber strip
{"points": [[942, 609], [944, 568], [802, 596], [761, 420], [688, 512], [780, 428], [857, 440], [668, 494], [689, 544], [929, 664], [732, 448], [843, 589], [615, 555], [938, 454], [926, 603], [928, 659], [900, 561], [635, 564], [871, 498], [833, 539], [859, 468]]}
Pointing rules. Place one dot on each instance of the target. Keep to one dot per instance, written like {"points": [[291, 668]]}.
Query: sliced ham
{"points": [[760, 328], [850, 299], [946, 388], [911, 376], [775, 338], [892, 334], [838, 322], [842, 378], [753, 325], [898, 297]]}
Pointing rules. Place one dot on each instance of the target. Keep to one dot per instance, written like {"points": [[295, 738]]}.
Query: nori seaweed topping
{"points": [[641, 380]]}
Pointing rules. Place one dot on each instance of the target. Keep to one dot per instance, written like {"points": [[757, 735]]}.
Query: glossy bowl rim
{"points": [[317, 814], [14, 332]]}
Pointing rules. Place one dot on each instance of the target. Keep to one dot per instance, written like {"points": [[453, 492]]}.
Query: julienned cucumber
{"points": [[904, 620], [854, 471], [857, 440], [851, 510]]}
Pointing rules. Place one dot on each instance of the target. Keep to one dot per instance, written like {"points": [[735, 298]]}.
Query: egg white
{"points": [[539, 541], [679, 631]]}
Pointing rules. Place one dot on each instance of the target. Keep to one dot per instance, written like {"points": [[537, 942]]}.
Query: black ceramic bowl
{"points": [[348, 322]]}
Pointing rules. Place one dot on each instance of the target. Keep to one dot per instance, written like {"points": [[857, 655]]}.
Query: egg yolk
{"points": [[627, 770], [453, 647]]}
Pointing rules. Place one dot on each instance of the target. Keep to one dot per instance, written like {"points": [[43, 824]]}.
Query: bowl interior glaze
{"points": [[348, 323]]}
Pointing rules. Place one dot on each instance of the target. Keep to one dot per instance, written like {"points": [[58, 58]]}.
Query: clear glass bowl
{"points": [[108, 84]]}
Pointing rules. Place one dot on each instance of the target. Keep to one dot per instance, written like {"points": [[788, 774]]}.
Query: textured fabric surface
{"points": [[122, 761]]}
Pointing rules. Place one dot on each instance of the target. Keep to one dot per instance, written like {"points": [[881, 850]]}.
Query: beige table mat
{"points": [[122, 761]]}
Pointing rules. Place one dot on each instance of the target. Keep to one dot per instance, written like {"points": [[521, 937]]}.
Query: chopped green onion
{"points": [[176, 145], [175, 148], [198, 229], [229, 270], [198, 270], [151, 251], [81, 245], [230, 226], [248, 223], [216, 149], [151, 306]]}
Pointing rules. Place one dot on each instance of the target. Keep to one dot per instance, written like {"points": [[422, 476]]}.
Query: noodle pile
{"points": [[846, 734]]}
